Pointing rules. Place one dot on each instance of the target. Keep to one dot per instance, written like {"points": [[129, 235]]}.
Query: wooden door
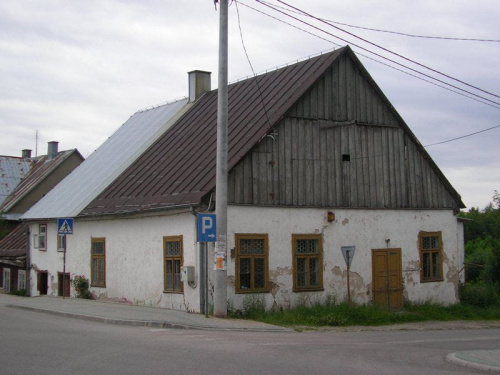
{"points": [[387, 278], [43, 282], [66, 284]]}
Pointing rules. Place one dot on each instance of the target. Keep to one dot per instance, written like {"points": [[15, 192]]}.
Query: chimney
{"points": [[52, 150], [26, 154], [199, 83]]}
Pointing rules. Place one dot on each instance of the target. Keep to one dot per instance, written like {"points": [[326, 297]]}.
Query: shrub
{"points": [[81, 285], [19, 292], [480, 295]]}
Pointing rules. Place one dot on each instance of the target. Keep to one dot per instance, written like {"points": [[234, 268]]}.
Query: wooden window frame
{"points": [[295, 256], [21, 279], [44, 247], [422, 251], [61, 242], [172, 258], [96, 283], [238, 256]]}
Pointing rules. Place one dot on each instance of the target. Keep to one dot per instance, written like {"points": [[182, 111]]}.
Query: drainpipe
{"points": [[28, 263]]}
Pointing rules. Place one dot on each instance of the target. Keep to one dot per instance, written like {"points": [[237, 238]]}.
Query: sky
{"points": [[75, 71]]}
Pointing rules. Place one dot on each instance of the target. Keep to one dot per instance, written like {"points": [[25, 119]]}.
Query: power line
{"points": [[381, 56], [389, 51], [463, 136], [396, 32], [371, 58]]}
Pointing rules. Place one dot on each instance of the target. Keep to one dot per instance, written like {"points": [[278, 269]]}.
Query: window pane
{"points": [[301, 271], [97, 248], [435, 265], [308, 246], [430, 242], [427, 264], [313, 272], [100, 271], [94, 270], [245, 275], [169, 275], [173, 248], [259, 273], [251, 247]]}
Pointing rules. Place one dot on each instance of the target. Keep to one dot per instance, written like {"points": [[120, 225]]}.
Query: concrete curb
{"points": [[146, 323], [470, 362]]}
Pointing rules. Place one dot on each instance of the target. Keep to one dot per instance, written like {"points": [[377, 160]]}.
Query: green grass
{"points": [[330, 313]]}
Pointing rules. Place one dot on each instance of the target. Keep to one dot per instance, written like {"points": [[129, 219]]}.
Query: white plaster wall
{"points": [[134, 259], [365, 229], [134, 254]]}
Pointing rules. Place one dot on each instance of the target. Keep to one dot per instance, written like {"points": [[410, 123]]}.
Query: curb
{"points": [[144, 323], [452, 358]]}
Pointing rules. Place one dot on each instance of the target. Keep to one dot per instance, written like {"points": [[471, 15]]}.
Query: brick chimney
{"points": [[199, 83], [52, 150], [26, 154]]}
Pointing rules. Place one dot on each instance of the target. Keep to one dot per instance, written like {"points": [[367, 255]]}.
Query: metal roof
{"points": [[179, 168], [39, 171], [12, 171], [14, 244], [89, 179]]}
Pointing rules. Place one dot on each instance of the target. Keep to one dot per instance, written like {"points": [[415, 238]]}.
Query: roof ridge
{"points": [[160, 105]]}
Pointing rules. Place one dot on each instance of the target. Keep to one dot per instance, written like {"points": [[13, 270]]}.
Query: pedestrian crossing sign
{"points": [[65, 225]]}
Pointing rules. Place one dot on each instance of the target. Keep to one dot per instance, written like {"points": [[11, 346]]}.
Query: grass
{"points": [[330, 313]]}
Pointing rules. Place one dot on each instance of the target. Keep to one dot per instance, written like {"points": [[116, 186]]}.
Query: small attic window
{"points": [[346, 157]]}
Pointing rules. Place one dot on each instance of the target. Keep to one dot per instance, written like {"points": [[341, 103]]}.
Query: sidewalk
{"points": [[486, 360], [114, 313]]}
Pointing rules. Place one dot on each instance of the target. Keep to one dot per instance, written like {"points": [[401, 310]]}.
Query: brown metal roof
{"points": [[179, 169], [40, 170], [14, 244]]}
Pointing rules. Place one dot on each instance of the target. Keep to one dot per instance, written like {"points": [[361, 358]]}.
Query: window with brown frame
{"points": [[98, 262], [252, 269], [431, 256], [307, 262], [172, 262], [41, 238]]}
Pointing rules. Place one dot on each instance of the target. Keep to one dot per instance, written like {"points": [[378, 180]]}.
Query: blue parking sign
{"points": [[207, 228]]}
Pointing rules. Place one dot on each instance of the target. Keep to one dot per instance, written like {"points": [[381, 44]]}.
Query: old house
{"points": [[319, 162], [23, 182]]}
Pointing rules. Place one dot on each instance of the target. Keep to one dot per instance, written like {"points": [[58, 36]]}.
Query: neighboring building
{"points": [[319, 160], [23, 182]]}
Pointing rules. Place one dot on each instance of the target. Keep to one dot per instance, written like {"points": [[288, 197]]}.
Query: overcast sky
{"points": [[76, 70]]}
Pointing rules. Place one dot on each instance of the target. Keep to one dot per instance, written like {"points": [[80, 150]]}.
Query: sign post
{"points": [[206, 225], [348, 252], [64, 227]]}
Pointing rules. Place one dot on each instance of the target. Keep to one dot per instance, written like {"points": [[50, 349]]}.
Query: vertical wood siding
{"points": [[301, 163]]}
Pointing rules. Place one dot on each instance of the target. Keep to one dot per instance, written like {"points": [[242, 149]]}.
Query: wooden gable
{"points": [[341, 145]]}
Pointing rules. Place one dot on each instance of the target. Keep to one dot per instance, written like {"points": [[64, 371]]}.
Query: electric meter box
{"points": [[187, 274]]}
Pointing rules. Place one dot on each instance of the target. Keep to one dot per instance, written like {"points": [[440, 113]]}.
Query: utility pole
{"points": [[220, 290]]}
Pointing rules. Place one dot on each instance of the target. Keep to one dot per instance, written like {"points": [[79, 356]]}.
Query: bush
{"points": [[81, 285], [19, 292], [480, 295]]}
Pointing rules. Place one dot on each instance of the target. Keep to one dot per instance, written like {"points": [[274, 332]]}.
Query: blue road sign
{"points": [[207, 228], [65, 225]]}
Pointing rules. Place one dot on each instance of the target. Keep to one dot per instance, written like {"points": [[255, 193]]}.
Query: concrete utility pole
{"points": [[220, 291]]}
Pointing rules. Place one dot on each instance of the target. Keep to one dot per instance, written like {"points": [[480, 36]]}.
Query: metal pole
{"points": [[220, 292], [348, 284], [63, 239], [206, 280]]}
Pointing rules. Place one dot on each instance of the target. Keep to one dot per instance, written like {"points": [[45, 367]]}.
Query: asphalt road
{"points": [[34, 343]]}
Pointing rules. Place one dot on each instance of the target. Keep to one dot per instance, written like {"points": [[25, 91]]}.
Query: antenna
{"points": [[36, 143]]}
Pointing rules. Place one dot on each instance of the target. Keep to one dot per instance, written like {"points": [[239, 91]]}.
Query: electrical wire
{"points": [[387, 50], [396, 32], [368, 57], [381, 56], [464, 136]]}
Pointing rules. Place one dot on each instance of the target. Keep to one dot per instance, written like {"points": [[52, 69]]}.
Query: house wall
{"points": [[134, 259], [364, 229], [134, 254]]}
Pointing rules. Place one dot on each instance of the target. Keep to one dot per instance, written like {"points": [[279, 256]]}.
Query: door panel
{"points": [[387, 278]]}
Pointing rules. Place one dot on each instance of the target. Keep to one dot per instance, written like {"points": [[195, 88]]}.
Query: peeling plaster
{"points": [[345, 221]]}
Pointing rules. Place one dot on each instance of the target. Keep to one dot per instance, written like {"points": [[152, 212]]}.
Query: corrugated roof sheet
{"points": [[12, 171], [91, 177], [179, 169], [39, 171], [14, 244]]}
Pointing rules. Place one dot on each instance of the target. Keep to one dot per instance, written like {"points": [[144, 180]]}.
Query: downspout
{"points": [[28, 263]]}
